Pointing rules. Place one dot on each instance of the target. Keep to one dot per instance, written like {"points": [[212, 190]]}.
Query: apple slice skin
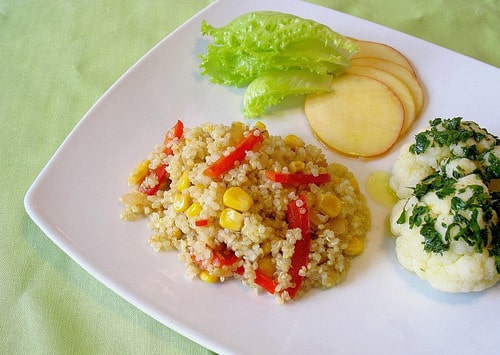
{"points": [[399, 88], [371, 106], [384, 51], [362, 116], [402, 73]]}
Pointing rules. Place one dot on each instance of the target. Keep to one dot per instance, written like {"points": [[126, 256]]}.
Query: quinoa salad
{"points": [[237, 202]]}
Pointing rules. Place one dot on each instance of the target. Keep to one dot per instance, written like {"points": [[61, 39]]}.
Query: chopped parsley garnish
{"points": [[421, 144], [471, 152], [417, 217], [402, 217], [446, 133], [442, 185], [474, 210], [467, 215], [433, 241], [492, 165]]}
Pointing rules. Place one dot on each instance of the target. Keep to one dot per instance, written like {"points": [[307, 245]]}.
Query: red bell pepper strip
{"points": [[224, 257], [267, 283], [227, 162], [298, 217], [201, 223], [160, 174], [175, 132], [218, 258], [298, 178], [262, 280]]}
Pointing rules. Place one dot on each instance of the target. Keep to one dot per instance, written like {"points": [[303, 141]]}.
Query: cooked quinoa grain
{"points": [[238, 202]]}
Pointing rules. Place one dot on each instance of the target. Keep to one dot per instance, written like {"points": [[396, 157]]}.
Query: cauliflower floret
{"points": [[446, 221], [452, 146], [482, 139], [432, 157], [437, 206], [458, 167], [491, 162], [399, 229], [477, 137], [460, 269], [407, 173], [452, 138]]}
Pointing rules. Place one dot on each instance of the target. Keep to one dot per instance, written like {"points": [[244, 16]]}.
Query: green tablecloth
{"points": [[56, 59]]}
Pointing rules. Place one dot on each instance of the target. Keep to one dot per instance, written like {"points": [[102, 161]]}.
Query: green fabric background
{"points": [[56, 59]]}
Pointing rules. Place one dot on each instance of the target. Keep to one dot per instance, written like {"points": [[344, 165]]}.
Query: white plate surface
{"points": [[379, 308]]}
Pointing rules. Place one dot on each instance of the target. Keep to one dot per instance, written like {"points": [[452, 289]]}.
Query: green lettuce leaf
{"points": [[271, 88], [263, 42], [228, 66]]}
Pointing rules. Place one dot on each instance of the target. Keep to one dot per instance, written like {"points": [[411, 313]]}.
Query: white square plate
{"points": [[378, 308]]}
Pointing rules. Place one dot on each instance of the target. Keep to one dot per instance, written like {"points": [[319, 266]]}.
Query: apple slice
{"points": [[399, 71], [399, 88], [361, 116], [384, 51]]}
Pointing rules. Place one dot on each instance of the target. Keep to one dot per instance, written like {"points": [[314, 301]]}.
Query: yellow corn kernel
{"points": [[266, 247], [140, 172], [329, 204], [314, 218], [181, 202], [266, 266], [183, 182], [231, 219], [296, 166], [235, 197], [339, 226], [207, 277], [176, 233], [237, 129], [260, 125], [294, 141], [354, 247], [310, 199], [193, 210]]}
